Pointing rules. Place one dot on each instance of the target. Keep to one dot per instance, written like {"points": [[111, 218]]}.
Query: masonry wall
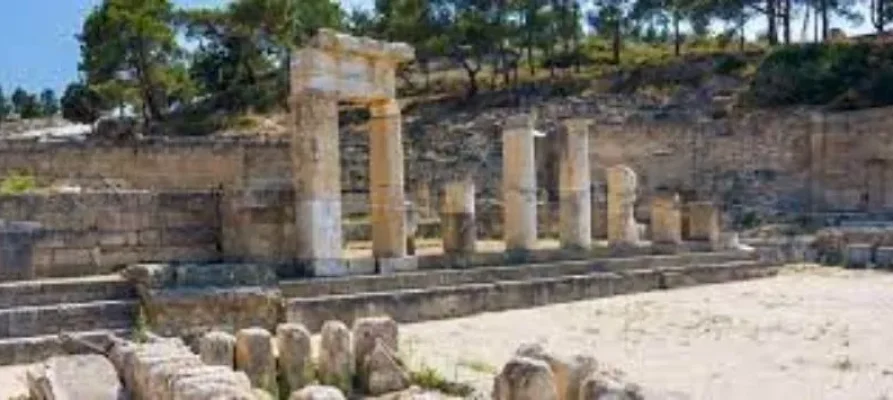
{"points": [[97, 233]]}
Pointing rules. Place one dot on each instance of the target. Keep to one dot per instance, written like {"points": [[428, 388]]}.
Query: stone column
{"points": [[622, 228], [703, 222], [458, 228], [575, 212], [519, 184], [386, 187], [317, 182], [666, 221]]}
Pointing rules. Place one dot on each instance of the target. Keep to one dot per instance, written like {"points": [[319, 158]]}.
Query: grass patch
{"points": [[17, 183], [429, 378]]}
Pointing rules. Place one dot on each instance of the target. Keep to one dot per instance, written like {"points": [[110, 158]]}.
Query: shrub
{"points": [[17, 183]]}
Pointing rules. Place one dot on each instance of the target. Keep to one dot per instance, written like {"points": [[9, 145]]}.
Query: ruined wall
{"points": [[96, 233]]}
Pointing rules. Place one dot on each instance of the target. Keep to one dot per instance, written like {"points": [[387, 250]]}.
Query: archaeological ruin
{"points": [[225, 255]]}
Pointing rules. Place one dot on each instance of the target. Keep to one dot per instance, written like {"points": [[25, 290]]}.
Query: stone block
{"points": [[75, 377], [254, 356], [381, 372], [366, 331], [317, 392], [883, 257], [295, 363], [568, 372], [525, 378], [185, 311], [397, 264], [336, 359], [858, 255], [217, 348]]}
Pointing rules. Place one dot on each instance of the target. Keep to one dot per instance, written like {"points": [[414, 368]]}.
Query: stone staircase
{"points": [[429, 295], [34, 313]]}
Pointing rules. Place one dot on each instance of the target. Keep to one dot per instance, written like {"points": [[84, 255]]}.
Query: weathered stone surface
{"points": [[336, 360], [182, 312], [317, 392], [568, 372], [218, 348], [858, 255], [366, 331], [622, 228], [525, 378], [703, 221], [75, 377], [295, 364], [602, 386], [254, 356], [382, 372]]}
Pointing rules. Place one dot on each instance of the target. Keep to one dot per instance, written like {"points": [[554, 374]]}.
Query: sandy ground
{"points": [[811, 334], [814, 333]]}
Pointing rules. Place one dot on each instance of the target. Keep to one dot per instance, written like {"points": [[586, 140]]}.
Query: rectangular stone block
{"points": [[883, 257], [858, 255]]}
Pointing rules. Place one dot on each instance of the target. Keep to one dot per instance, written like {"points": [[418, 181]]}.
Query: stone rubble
{"points": [[295, 363], [218, 348], [75, 377], [254, 356], [336, 359]]}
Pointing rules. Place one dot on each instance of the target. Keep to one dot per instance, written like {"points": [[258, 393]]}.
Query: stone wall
{"points": [[764, 163], [96, 233]]}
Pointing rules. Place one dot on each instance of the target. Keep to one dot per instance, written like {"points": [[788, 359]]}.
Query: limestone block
{"points": [[202, 387], [622, 228], [317, 392], [366, 331], [666, 219], [382, 373], [336, 360], [218, 348], [147, 366], [858, 255], [254, 356], [703, 221], [601, 386], [525, 378], [295, 363], [206, 374], [75, 377], [569, 372]]}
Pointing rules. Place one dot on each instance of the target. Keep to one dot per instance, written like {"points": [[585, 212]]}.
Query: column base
{"points": [[518, 256], [397, 264], [666, 248], [459, 260], [325, 267]]}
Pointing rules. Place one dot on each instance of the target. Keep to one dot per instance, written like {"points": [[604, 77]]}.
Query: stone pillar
{"points": [[666, 221], [575, 202], [622, 228], [703, 222], [295, 364], [519, 184], [317, 182], [386, 187], [458, 228], [217, 348], [254, 356]]}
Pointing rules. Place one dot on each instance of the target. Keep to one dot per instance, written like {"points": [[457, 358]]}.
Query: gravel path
{"points": [[811, 333]]}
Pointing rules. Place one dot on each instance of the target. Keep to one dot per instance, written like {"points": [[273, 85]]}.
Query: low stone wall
{"points": [[99, 232]]}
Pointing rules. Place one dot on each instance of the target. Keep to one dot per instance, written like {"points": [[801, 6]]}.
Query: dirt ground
{"points": [[810, 333]]}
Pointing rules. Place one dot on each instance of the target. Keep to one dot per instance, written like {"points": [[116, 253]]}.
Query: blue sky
{"points": [[38, 48]]}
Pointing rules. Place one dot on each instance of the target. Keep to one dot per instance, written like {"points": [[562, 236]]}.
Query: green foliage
{"points": [[429, 378], [17, 183], [5, 107], [25, 104], [81, 103], [841, 75], [48, 102]]}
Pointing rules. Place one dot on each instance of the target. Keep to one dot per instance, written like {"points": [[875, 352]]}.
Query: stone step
{"points": [[439, 302], [27, 350], [309, 288], [40, 320], [64, 290]]}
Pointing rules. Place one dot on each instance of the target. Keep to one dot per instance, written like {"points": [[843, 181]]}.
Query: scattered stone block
{"points": [[366, 331], [317, 392], [218, 348], [524, 378], [883, 257], [254, 356], [295, 364], [858, 255], [568, 372], [75, 377], [382, 372], [601, 386], [336, 361]]}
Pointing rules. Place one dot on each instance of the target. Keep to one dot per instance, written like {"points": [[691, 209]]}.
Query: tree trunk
{"points": [[616, 43], [741, 38], [677, 41], [815, 24], [786, 20], [772, 22], [825, 27]]}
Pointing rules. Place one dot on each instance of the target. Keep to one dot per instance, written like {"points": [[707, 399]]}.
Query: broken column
{"points": [[317, 181], [459, 230], [599, 211], [575, 213], [386, 187], [703, 222], [519, 184], [666, 221], [622, 228]]}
